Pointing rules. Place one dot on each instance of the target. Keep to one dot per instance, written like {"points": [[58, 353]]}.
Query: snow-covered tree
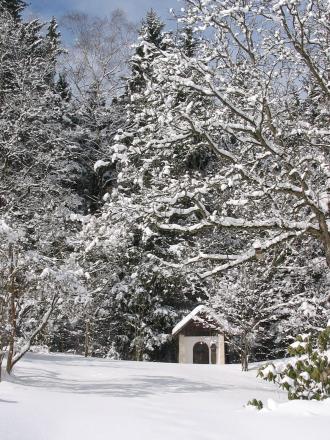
{"points": [[94, 66], [263, 305], [263, 68], [136, 302], [306, 375], [151, 37], [249, 311], [99, 53], [212, 167], [267, 185], [14, 7], [225, 151], [36, 202]]}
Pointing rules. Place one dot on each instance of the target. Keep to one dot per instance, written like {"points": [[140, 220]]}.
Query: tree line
{"points": [[139, 181]]}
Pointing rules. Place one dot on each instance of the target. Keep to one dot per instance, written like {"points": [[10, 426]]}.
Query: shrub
{"points": [[307, 375], [256, 403]]}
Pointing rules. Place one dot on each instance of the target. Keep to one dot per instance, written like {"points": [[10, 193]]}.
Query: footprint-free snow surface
{"points": [[61, 397]]}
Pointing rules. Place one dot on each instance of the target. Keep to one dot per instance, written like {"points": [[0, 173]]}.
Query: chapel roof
{"points": [[194, 316]]}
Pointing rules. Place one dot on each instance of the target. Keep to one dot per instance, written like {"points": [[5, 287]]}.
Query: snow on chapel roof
{"points": [[191, 316]]}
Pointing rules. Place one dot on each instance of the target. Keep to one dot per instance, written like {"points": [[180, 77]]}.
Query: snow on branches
{"points": [[235, 137]]}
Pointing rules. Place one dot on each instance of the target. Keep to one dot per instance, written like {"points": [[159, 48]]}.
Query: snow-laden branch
{"points": [[231, 260], [250, 254], [240, 223]]}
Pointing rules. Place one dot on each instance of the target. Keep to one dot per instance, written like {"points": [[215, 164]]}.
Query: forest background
{"points": [[146, 170]]}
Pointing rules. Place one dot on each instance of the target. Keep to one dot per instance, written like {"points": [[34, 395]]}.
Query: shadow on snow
{"points": [[140, 386]]}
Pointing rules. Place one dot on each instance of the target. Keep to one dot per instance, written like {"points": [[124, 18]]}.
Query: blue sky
{"points": [[135, 9]]}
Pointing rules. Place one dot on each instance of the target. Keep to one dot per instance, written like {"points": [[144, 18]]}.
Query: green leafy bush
{"points": [[307, 375], [256, 403]]}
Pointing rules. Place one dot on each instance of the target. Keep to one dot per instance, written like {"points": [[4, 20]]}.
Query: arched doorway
{"points": [[201, 353], [213, 354]]}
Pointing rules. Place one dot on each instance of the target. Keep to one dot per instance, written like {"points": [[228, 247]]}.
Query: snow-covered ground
{"points": [[62, 397]]}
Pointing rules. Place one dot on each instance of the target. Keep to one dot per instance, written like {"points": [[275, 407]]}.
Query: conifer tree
{"points": [[63, 88], [139, 302], [35, 153], [52, 48], [151, 39], [14, 7], [188, 41]]}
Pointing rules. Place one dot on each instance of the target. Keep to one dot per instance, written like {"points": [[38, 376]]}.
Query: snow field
{"points": [[62, 397]]}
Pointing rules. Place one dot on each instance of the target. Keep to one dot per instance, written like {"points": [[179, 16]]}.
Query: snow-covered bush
{"points": [[41, 349], [256, 404], [307, 375]]}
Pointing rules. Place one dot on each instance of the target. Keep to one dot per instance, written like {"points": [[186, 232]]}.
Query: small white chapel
{"points": [[200, 338]]}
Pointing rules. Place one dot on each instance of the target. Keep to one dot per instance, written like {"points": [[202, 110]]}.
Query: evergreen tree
{"points": [[189, 43], [137, 302], [52, 48], [35, 156], [306, 375], [63, 88], [14, 7], [151, 39]]}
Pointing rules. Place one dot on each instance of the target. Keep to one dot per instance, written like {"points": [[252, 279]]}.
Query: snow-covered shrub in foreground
{"points": [[256, 404], [307, 375]]}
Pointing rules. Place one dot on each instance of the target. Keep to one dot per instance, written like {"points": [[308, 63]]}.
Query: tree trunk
{"points": [[12, 314], [2, 342], [326, 238], [15, 357], [11, 345], [244, 361], [245, 355], [87, 337], [2, 355]]}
